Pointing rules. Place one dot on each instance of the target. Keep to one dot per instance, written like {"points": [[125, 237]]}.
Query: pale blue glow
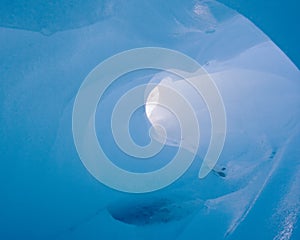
{"points": [[46, 192]]}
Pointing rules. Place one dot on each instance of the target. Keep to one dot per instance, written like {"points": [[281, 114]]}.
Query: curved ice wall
{"points": [[46, 192]]}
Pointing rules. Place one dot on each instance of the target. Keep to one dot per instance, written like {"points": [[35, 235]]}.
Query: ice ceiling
{"points": [[46, 192]]}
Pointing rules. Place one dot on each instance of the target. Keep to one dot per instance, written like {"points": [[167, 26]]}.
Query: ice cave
{"points": [[48, 51]]}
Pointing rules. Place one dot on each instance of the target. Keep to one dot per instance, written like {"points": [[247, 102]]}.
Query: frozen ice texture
{"points": [[46, 193]]}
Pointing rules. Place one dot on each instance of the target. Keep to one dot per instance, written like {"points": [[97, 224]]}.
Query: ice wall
{"points": [[48, 48]]}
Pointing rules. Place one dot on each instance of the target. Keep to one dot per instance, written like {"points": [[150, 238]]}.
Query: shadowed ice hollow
{"points": [[47, 49]]}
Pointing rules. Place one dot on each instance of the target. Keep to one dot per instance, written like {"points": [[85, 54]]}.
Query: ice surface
{"points": [[46, 192]]}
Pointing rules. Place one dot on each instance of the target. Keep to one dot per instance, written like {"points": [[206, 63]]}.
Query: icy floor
{"points": [[46, 192]]}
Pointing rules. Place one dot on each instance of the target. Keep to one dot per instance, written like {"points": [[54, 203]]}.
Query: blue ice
{"points": [[47, 49]]}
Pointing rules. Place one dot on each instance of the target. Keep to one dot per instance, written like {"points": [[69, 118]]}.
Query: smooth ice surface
{"points": [[46, 192]]}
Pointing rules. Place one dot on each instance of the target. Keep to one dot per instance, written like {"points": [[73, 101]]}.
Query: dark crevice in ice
{"points": [[159, 211], [220, 172]]}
